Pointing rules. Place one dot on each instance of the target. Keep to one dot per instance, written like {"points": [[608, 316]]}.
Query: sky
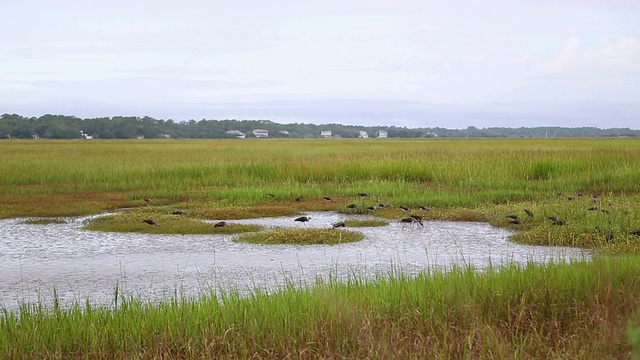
{"points": [[452, 64]]}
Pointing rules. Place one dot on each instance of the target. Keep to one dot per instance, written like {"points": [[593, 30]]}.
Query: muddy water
{"points": [[80, 265]]}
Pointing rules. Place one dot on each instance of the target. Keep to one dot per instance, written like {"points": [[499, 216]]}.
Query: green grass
{"points": [[301, 236], [553, 311], [544, 311]]}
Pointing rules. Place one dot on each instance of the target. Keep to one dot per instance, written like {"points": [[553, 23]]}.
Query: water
{"points": [[80, 265]]}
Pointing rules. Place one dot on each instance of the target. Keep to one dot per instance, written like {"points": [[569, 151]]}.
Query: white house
{"points": [[85, 136], [325, 133], [363, 134], [382, 134], [260, 133], [237, 133]]}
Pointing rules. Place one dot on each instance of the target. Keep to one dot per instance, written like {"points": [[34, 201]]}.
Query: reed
{"points": [[551, 311]]}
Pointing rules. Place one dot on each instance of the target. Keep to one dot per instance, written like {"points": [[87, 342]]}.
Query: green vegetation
{"points": [[553, 311], [160, 223], [301, 236], [365, 223], [578, 310], [44, 221]]}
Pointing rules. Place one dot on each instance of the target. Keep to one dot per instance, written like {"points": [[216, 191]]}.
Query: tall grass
{"points": [[550, 311], [93, 176]]}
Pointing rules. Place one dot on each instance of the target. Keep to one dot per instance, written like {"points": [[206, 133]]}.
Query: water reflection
{"points": [[35, 259]]}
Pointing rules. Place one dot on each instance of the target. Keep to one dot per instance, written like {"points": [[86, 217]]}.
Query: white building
{"points": [[382, 134], [260, 133], [363, 134], [325, 133], [237, 133]]}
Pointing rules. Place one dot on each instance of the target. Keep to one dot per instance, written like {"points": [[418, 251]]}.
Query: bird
{"points": [[150, 222], [352, 206], [417, 217], [404, 208], [383, 205], [635, 232], [609, 236], [271, 196], [220, 224], [411, 220], [179, 212], [557, 221], [303, 219], [338, 224], [328, 198], [364, 195], [515, 222], [298, 198], [513, 217], [528, 212], [371, 208], [593, 208], [424, 208], [147, 200]]}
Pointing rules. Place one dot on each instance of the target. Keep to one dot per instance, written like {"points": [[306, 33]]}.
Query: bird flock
{"points": [[411, 219]]}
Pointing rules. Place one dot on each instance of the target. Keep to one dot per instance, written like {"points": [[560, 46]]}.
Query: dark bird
{"points": [[528, 212], [364, 195], [220, 224], [298, 198], [328, 198], [557, 221], [609, 236], [593, 208], [570, 198], [339, 225], [352, 206], [417, 217], [424, 208], [150, 222], [580, 195], [383, 205], [515, 222], [271, 196], [411, 220], [147, 200], [635, 232], [404, 208], [303, 219], [513, 217], [371, 208], [179, 212]]}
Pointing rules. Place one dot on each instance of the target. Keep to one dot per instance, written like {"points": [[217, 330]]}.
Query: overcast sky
{"points": [[382, 62]]}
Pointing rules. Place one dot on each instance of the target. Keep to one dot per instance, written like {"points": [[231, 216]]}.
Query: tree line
{"points": [[131, 127]]}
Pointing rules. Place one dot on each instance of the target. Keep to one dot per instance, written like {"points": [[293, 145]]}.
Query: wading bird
{"points": [[411, 220], [147, 200], [220, 224], [179, 212], [328, 198], [635, 232], [513, 217], [364, 195], [515, 222], [150, 222], [298, 198], [404, 208], [303, 218], [352, 206], [528, 212], [609, 236], [339, 225]]}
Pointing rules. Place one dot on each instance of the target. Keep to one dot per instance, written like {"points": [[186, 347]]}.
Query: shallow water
{"points": [[80, 265]]}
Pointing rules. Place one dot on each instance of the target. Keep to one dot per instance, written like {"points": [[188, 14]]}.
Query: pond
{"points": [[80, 264]]}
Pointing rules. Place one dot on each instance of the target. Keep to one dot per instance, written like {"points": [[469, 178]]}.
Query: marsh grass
{"points": [[547, 311], [365, 223], [579, 310], [301, 236], [132, 221], [44, 221]]}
